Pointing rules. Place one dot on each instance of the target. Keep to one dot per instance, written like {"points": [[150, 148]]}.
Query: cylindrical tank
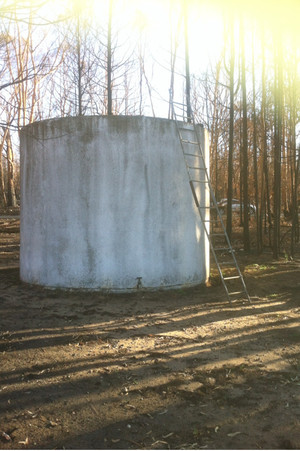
{"points": [[106, 204]]}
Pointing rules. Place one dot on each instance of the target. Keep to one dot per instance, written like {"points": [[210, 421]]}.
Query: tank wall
{"points": [[105, 200]]}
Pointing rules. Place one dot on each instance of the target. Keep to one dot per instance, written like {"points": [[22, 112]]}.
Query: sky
{"points": [[150, 23]]}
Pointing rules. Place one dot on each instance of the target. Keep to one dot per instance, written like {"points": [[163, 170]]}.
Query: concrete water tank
{"points": [[106, 204]]}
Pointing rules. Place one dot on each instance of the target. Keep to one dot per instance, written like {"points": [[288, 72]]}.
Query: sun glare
{"points": [[156, 23]]}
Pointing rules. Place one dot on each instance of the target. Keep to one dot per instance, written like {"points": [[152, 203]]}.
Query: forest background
{"points": [[236, 62]]}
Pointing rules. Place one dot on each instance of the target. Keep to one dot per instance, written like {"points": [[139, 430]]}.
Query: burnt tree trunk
{"points": [[11, 194], [278, 81], [231, 134], [246, 236]]}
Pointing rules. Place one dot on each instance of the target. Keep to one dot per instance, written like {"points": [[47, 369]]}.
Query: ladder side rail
{"points": [[203, 221], [182, 146], [205, 171], [225, 235], [212, 194], [230, 250], [240, 276], [202, 156], [209, 240], [211, 188], [200, 212]]}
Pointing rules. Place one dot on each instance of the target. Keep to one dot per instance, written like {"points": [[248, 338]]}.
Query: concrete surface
{"points": [[106, 201]]}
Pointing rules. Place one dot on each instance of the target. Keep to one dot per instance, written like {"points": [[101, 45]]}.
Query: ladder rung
{"points": [[200, 181], [231, 277], [233, 293], [187, 141], [227, 263], [193, 155], [193, 167], [217, 234], [223, 249]]}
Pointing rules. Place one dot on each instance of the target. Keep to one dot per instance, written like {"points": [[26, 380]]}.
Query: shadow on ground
{"points": [[178, 369]]}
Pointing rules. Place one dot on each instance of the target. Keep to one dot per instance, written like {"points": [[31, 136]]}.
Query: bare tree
{"points": [[26, 62], [294, 152], [174, 44], [11, 194], [278, 126], [255, 164], [187, 63], [3, 197], [245, 203], [231, 127]]}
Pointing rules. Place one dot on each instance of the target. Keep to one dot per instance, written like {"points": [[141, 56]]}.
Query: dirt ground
{"points": [[178, 369]]}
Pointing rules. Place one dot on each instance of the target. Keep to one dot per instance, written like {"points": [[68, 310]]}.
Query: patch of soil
{"points": [[180, 369]]}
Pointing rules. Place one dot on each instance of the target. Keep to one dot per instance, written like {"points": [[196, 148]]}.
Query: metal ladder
{"points": [[198, 174]]}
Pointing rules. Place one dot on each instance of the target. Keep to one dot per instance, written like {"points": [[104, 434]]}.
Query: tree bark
{"points": [[3, 199], [231, 134], [11, 194], [246, 236], [79, 65], [278, 79], [255, 166]]}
